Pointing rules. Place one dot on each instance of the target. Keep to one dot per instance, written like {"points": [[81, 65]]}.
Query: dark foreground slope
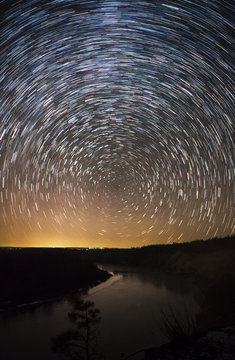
{"points": [[32, 274], [217, 344]]}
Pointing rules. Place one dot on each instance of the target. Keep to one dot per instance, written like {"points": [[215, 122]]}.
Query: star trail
{"points": [[117, 122]]}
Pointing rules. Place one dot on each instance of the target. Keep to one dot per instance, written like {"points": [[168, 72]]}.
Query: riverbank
{"points": [[29, 275], [210, 268], [217, 344]]}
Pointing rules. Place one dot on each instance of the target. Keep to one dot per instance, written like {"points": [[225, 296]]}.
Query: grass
{"points": [[178, 324]]}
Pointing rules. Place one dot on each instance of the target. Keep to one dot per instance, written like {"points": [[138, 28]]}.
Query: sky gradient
{"points": [[117, 122]]}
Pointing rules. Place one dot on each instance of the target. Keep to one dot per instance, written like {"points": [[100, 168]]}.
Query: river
{"points": [[133, 303]]}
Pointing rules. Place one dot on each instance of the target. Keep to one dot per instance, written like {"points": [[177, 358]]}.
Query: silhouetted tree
{"points": [[80, 343]]}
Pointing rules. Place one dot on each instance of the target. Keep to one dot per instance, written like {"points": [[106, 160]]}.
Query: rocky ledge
{"points": [[216, 344]]}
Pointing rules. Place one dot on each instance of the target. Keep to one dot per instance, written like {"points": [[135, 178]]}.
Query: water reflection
{"points": [[132, 308], [131, 304]]}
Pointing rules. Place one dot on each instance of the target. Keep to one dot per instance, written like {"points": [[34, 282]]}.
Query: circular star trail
{"points": [[117, 122]]}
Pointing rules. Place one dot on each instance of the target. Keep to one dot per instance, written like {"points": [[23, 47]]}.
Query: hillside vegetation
{"points": [[31, 274]]}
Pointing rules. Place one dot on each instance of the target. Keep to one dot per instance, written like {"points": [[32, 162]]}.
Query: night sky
{"points": [[116, 122]]}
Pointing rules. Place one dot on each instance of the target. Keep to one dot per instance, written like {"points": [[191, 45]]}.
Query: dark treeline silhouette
{"points": [[29, 274], [168, 257]]}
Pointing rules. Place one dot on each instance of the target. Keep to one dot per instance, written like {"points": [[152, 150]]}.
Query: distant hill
{"points": [[27, 274], [178, 257]]}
